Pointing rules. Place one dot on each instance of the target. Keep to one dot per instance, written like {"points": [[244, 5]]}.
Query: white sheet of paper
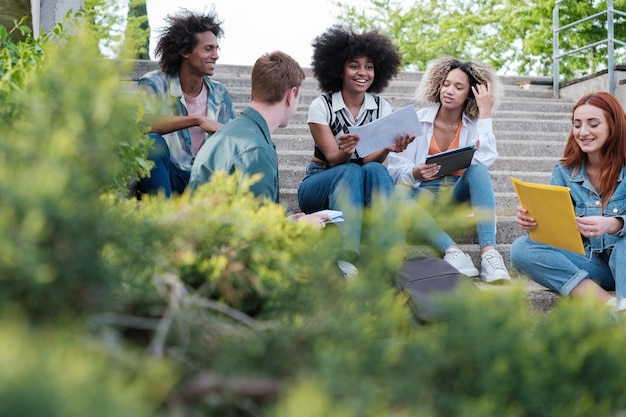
{"points": [[336, 216], [384, 131]]}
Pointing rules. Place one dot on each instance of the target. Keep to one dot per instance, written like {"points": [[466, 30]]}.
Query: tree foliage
{"points": [[123, 33], [512, 36], [137, 34]]}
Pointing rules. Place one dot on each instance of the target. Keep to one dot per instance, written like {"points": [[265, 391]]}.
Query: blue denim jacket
{"points": [[587, 202], [163, 96]]}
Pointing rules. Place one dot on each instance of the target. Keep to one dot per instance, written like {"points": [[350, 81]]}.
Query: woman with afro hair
{"points": [[461, 96], [350, 68]]}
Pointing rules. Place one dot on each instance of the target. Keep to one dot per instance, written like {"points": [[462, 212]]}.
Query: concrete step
{"points": [[506, 199], [530, 138], [507, 228], [531, 164], [298, 125], [530, 148], [229, 72], [503, 120], [292, 175], [521, 104], [528, 114], [295, 137], [299, 157], [512, 110], [298, 150], [503, 184], [405, 83], [400, 98], [300, 144]]}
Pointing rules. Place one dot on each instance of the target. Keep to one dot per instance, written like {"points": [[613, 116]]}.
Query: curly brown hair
{"points": [[179, 37], [339, 44], [429, 88]]}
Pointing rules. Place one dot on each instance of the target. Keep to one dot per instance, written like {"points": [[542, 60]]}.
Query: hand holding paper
{"points": [[383, 132], [335, 216]]}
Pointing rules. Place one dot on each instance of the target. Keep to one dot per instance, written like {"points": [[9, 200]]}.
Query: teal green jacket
{"points": [[245, 145]]}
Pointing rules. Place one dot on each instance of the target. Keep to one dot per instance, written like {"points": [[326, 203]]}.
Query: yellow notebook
{"points": [[551, 207]]}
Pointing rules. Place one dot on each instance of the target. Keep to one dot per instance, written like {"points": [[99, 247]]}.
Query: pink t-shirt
{"points": [[196, 106]]}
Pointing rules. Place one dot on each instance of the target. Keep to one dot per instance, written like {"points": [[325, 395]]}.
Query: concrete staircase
{"points": [[530, 127]]}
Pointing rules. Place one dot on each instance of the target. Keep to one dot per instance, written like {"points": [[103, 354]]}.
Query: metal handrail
{"points": [[610, 41]]}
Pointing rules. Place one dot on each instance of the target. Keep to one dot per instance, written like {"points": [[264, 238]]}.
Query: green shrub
{"points": [[490, 358], [59, 152], [18, 62], [60, 373]]}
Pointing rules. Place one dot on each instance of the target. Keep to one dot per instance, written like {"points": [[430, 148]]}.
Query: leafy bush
{"points": [[60, 151], [18, 62], [491, 359], [71, 377]]}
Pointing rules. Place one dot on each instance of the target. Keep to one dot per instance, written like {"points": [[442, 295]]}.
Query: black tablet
{"points": [[452, 160]]}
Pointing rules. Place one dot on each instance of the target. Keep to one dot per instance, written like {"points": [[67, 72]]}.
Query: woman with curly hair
{"points": [[350, 68], [593, 168], [461, 96]]}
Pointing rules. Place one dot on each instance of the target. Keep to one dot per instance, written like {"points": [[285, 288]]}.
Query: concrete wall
{"points": [[53, 11], [42, 14], [596, 82]]}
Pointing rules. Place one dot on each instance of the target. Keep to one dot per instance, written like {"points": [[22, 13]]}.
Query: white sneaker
{"points": [[493, 268], [348, 270], [612, 304], [461, 261]]}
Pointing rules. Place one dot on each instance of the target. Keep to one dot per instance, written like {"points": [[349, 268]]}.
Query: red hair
{"points": [[614, 151]]}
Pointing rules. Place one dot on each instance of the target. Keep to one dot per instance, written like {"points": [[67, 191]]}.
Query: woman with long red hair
{"points": [[592, 168]]}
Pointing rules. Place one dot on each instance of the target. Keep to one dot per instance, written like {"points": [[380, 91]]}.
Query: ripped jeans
{"points": [[561, 270], [326, 187]]}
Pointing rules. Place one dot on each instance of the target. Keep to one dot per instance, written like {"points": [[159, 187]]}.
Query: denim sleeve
{"points": [[228, 112], [149, 94], [621, 232]]}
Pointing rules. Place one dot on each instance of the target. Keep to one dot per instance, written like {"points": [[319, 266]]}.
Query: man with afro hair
{"points": [[182, 104]]}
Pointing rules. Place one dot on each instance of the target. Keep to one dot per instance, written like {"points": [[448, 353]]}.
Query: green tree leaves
{"points": [[510, 35]]}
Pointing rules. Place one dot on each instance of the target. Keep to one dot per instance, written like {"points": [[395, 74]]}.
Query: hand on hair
{"points": [[484, 99]]}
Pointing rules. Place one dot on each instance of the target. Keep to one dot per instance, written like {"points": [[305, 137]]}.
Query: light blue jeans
{"points": [[474, 186], [332, 188], [561, 270]]}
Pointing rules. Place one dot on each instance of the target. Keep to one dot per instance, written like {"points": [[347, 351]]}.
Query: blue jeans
{"points": [[165, 176], [562, 270], [474, 186], [347, 187]]}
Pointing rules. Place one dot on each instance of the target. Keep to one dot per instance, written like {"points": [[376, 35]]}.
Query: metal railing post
{"points": [[611, 48], [610, 42], [555, 50]]}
